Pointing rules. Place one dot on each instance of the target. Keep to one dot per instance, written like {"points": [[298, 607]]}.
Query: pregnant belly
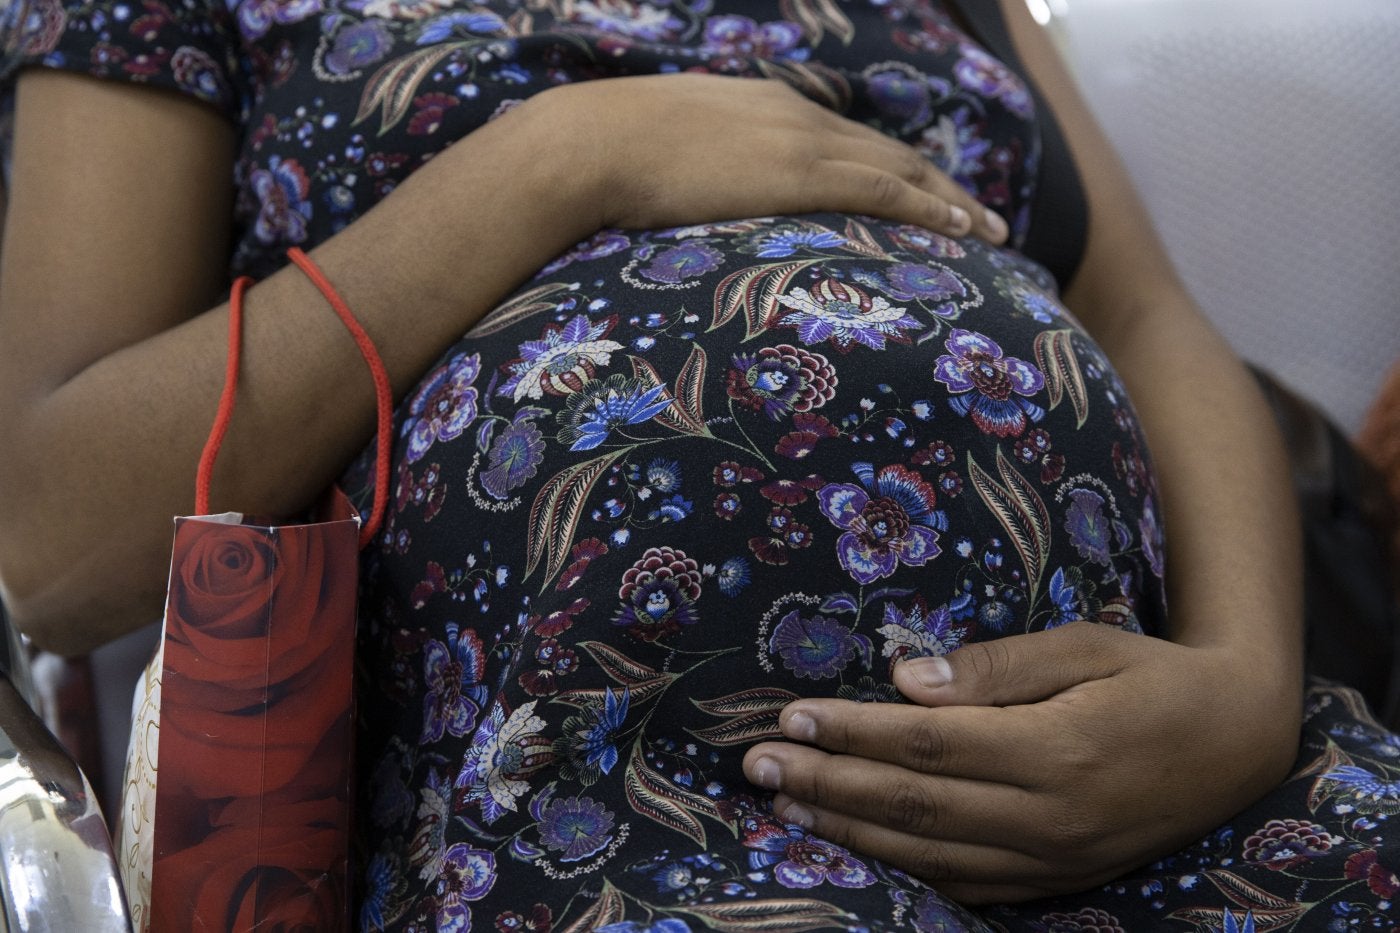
{"points": [[683, 477]]}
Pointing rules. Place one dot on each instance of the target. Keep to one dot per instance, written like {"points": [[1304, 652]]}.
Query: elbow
{"points": [[62, 585], [60, 611]]}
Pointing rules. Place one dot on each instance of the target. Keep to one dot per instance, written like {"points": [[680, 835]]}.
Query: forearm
{"points": [[1233, 542], [108, 452]]}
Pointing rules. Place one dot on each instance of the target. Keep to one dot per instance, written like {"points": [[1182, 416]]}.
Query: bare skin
{"points": [[1127, 745]]}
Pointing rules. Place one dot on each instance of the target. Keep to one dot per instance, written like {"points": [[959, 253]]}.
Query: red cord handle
{"points": [[384, 399]]}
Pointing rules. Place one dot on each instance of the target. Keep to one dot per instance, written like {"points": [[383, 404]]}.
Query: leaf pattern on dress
{"points": [[1020, 510], [1054, 354], [392, 88], [555, 513]]}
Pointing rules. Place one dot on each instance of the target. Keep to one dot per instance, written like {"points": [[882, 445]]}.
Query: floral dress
{"points": [[683, 477]]}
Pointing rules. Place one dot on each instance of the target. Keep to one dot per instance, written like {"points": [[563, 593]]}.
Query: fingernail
{"points": [[997, 225], [801, 727], [796, 813], [959, 220], [767, 774], [931, 672]]}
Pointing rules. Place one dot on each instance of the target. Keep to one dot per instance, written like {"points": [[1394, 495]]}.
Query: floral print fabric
{"points": [[711, 470], [685, 476]]}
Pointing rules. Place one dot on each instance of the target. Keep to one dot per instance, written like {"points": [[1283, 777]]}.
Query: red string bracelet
{"points": [[384, 400]]}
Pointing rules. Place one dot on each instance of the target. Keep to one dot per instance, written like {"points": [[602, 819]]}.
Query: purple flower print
{"points": [[603, 243], [687, 261], [444, 405], [256, 17], [1153, 545], [801, 860], [1089, 530], [283, 191], [514, 457], [889, 522], [980, 72], [358, 46], [925, 281], [816, 648], [845, 315], [467, 875], [452, 674], [561, 361], [575, 826], [988, 386], [732, 40], [901, 93]]}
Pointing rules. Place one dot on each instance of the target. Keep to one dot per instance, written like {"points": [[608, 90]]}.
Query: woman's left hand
{"points": [[1046, 763]]}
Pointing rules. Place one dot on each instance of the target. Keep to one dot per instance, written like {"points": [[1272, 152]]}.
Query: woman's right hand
{"points": [[669, 150]]}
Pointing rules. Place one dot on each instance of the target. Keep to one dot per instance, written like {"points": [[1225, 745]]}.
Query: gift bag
{"points": [[237, 809]]}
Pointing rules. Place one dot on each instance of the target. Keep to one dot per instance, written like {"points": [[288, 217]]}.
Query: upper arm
{"points": [[117, 226], [1125, 270]]}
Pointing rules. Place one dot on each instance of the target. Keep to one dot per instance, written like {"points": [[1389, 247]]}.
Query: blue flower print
{"points": [[889, 522], [845, 315], [588, 746], [1073, 597], [733, 576], [956, 146], [1366, 791], [444, 405], [785, 242], [661, 926], [590, 414], [987, 385], [816, 647], [358, 46], [1153, 544]]}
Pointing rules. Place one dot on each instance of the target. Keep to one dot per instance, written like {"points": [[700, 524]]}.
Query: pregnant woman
{"points": [[748, 445]]}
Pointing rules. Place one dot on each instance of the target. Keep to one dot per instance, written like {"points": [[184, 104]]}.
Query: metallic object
{"points": [[57, 869]]}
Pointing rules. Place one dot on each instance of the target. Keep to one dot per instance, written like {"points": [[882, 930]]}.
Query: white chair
{"points": [[1264, 136]]}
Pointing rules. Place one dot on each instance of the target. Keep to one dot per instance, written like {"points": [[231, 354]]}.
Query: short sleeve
{"points": [[189, 46]]}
